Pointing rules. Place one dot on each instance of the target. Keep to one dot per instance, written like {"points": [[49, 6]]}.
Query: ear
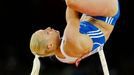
{"points": [[50, 46]]}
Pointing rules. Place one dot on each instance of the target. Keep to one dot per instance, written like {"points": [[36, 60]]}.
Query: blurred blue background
{"points": [[20, 18]]}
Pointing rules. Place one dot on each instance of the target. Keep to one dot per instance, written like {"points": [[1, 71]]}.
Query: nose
{"points": [[49, 28]]}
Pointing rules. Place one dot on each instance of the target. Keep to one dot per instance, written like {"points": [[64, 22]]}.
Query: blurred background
{"points": [[20, 18]]}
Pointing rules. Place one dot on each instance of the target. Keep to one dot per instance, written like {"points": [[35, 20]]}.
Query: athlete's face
{"points": [[51, 35], [44, 42]]}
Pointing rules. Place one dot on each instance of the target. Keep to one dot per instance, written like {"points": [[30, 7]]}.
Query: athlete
{"points": [[82, 35]]}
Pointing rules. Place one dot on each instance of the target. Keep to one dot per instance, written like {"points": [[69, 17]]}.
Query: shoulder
{"points": [[77, 45]]}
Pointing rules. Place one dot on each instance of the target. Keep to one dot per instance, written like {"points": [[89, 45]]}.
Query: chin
{"points": [[51, 54]]}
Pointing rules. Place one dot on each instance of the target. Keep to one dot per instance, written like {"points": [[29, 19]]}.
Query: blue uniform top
{"points": [[109, 20], [95, 33]]}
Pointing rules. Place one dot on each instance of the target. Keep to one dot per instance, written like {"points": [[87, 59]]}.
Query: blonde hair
{"points": [[36, 66], [35, 43], [35, 46]]}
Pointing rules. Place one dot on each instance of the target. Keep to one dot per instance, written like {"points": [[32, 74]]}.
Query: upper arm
{"points": [[94, 7], [78, 43]]}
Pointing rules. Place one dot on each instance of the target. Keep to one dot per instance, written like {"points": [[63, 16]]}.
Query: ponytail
{"points": [[36, 66]]}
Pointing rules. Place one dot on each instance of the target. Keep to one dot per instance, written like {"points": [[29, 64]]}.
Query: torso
{"points": [[81, 43]]}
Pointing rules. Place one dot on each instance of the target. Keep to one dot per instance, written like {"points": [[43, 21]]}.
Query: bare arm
{"points": [[76, 42], [94, 7], [72, 19], [71, 15]]}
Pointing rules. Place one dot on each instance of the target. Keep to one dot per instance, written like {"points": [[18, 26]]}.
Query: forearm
{"points": [[73, 20], [71, 15], [94, 7]]}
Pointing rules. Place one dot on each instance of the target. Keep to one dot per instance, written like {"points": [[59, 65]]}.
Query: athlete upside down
{"points": [[82, 35]]}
